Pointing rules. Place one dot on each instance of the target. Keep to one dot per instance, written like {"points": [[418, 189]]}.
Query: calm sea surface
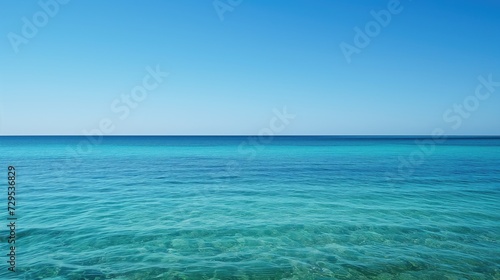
{"points": [[250, 208]]}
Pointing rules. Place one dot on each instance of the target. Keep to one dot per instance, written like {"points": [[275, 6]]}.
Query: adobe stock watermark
{"points": [[252, 145], [121, 107], [32, 25], [454, 117], [223, 6], [373, 28]]}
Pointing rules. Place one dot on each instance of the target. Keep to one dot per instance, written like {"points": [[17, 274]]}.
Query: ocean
{"points": [[244, 207]]}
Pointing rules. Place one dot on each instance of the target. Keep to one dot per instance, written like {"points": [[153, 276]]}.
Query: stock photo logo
{"points": [[221, 7], [32, 25], [248, 149], [121, 108], [364, 36], [454, 117], [258, 154]]}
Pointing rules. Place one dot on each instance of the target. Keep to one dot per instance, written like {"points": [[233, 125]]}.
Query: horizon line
{"points": [[252, 135]]}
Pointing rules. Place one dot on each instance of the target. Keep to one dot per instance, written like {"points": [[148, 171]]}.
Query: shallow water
{"points": [[294, 208]]}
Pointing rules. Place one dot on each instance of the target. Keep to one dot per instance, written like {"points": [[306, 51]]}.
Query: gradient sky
{"points": [[227, 76]]}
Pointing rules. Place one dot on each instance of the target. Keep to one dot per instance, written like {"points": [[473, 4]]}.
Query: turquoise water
{"points": [[238, 208]]}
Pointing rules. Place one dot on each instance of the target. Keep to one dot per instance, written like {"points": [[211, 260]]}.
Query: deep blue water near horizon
{"points": [[234, 208]]}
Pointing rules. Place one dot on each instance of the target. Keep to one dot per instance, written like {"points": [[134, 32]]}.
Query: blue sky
{"points": [[230, 75]]}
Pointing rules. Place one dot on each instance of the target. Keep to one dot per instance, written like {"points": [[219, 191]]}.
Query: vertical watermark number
{"points": [[11, 217]]}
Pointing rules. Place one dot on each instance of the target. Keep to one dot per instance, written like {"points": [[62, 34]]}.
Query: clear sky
{"points": [[65, 67]]}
